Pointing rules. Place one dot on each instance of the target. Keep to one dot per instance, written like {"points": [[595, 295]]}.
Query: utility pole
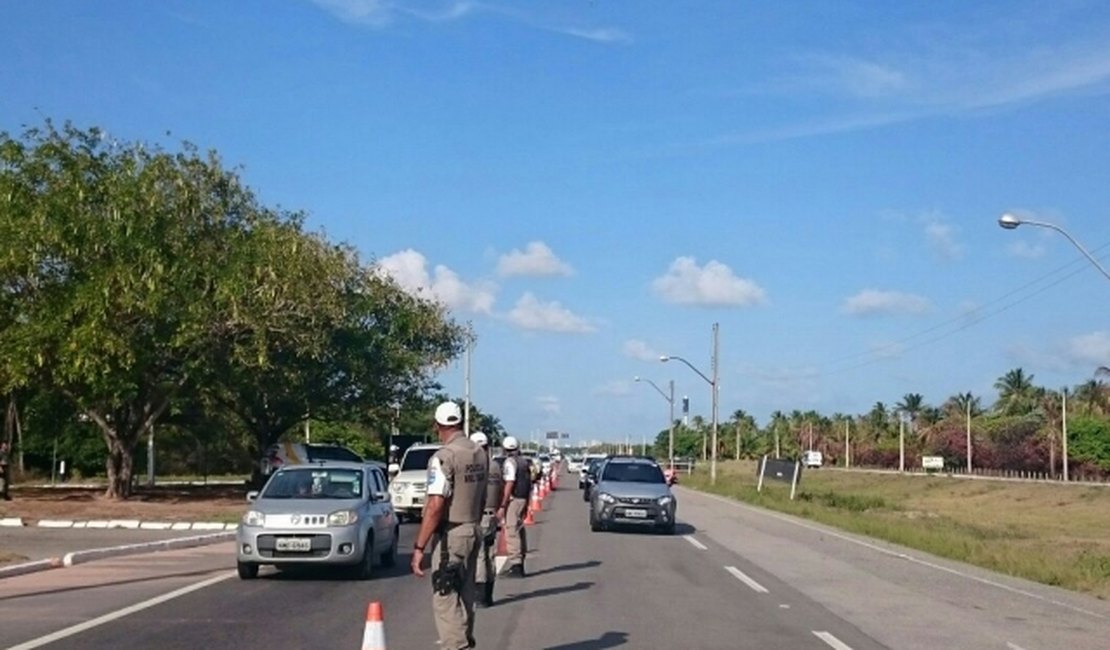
{"points": [[670, 442], [969, 432], [150, 458], [901, 442], [1064, 433], [716, 390], [466, 380], [847, 444]]}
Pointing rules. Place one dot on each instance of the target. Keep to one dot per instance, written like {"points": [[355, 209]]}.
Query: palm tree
{"points": [[1049, 403], [778, 419], [1093, 396], [957, 405], [912, 404], [1015, 393]]}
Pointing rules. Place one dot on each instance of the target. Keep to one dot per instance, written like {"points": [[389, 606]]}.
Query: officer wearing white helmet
{"points": [[517, 477], [486, 569]]}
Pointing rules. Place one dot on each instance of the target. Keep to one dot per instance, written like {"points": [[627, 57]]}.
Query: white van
{"points": [[812, 459]]}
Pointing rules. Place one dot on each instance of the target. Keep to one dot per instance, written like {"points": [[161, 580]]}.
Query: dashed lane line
{"points": [[832, 641], [698, 545], [743, 577]]}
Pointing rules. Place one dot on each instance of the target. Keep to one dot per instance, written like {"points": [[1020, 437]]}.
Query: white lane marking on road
{"points": [[832, 641], [1013, 646], [698, 545], [743, 577], [903, 556], [784, 606], [126, 611]]}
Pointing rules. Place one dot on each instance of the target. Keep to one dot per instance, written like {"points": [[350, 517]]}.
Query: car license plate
{"points": [[301, 544], [635, 514]]}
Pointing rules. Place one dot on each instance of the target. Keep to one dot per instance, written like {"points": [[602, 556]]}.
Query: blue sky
{"points": [[594, 183]]}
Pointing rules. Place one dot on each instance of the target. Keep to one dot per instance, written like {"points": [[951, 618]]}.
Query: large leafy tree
{"points": [[114, 271]]}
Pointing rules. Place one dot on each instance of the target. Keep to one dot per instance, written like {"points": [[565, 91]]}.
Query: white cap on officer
{"points": [[448, 414], [479, 438], [509, 443]]}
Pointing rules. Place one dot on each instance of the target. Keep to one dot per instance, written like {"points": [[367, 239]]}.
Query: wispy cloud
{"points": [[549, 404], [615, 388], [919, 78], [1091, 349], [409, 268], [712, 285], [1022, 248], [942, 239], [639, 350], [537, 259], [873, 302], [530, 313], [382, 13]]}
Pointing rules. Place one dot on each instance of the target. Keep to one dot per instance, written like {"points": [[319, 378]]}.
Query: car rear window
{"points": [[333, 453], [633, 473], [315, 483]]}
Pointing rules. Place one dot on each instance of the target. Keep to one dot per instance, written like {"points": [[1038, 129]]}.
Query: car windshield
{"points": [[315, 483], [417, 459], [633, 473]]}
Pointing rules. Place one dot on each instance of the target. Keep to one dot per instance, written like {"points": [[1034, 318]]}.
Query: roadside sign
{"points": [[780, 469], [932, 462], [552, 435]]}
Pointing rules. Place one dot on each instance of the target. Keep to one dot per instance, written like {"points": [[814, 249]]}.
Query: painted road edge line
{"points": [[743, 577], [909, 558], [698, 545], [832, 641], [120, 613]]}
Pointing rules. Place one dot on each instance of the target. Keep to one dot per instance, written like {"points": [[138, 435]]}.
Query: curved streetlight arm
{"points": [[658, 389], [689, 365], [1044, 224]]}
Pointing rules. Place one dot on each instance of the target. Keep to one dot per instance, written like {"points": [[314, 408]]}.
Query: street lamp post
{"points": [[713, 387], [670, 422], [1009, 222]]}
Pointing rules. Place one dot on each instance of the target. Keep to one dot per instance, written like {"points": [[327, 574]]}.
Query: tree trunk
{"points": [[1052, 453], [119, 463]]}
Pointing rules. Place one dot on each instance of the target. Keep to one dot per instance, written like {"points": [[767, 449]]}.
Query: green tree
{"points": [[1016, 395]]}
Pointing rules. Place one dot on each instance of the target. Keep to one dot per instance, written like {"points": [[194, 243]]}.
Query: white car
{"points": [[574, 464], [584, 466], [408, 486]]}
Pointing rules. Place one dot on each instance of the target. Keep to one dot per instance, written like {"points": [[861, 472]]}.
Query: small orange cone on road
{"points": [[373, 638], [537, 501], [529, 520]]}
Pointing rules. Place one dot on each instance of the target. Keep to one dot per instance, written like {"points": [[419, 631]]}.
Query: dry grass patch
{"points": [[171, 503], [1054, 534]]}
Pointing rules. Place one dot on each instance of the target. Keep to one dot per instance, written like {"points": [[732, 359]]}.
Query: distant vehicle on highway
{"points": [[574, 463], [587, 461], [632, 491], [812, 459], [588, 477], [325, 513], [409, 482], [283, 454]]}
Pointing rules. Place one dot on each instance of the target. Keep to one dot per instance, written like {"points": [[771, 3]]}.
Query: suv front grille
{"points": [[636, 501]]}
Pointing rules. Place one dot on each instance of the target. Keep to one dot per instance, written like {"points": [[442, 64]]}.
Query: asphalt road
{"points": [[732, 578]]}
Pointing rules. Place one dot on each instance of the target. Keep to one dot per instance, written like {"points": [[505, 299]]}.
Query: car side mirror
{"points": [[394, 469], [379, 496], [251, 496]]}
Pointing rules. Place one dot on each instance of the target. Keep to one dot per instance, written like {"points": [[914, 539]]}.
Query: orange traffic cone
{"points": [[373, 638], [529, 519], [536, 505]]}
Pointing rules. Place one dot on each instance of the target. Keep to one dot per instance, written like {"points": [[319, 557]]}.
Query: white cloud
{"points": [[1022, 248], [367, 12], [685, 283], [942, 239], [873, 302], [531, 313], [598, 35], [640, 350], [550, 404], [1092, 349], [409, 268], [616, 388], [537, 259]]}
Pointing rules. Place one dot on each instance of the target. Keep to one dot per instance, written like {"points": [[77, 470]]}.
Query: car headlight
{"points": [[342, 518], [254, 518], [665, 501], [607, 498], [398, 487]]}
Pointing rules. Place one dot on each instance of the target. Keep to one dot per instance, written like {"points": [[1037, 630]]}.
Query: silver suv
{"points": [[327, 513], [634, 492]]}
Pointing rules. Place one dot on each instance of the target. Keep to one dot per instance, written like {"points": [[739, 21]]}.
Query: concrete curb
{"points": [[81, 557], [124, 524]]}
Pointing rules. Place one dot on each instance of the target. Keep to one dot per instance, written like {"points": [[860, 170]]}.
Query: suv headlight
{"points": [[607, 498], [254, 518], [342, 518], [398, 487], [665, 501]]}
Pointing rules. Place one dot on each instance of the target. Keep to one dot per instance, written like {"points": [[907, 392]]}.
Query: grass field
{"points": [[1054, 534]]}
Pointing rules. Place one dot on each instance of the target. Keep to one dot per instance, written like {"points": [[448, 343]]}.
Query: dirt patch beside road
{"points": [[221, 503]]}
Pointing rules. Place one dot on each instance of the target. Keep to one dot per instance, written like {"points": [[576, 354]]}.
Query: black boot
{"points": [[480, 591], [489, 594]]}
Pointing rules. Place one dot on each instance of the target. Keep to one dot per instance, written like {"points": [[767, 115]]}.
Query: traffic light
{"points": [[685, 405]]}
